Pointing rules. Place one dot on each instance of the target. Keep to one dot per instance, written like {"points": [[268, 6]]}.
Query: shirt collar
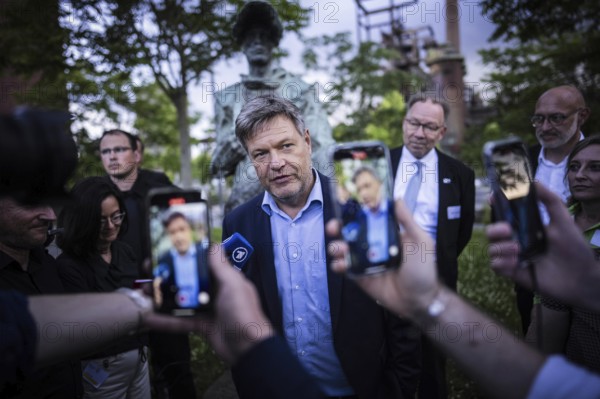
{"points": [[36, 255], [542, 158], [269, 205], [190, 252], [429, 160], [383, 207]]}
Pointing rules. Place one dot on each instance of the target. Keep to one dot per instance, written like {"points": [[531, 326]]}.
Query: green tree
{"points": [[175, 41], [386, 119], [364, 82], [32, 63], [546, 44]]}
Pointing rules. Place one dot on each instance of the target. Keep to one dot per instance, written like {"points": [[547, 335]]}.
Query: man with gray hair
{"points": [[440, 192], [258, 31], [316, 310]]}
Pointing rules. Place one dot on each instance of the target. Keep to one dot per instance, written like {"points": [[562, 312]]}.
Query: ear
{"points": [[443, 131], [308, 140], [584, 114], [137, 157]]}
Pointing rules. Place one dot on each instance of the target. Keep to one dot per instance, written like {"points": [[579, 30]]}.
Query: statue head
{"points": [[257, 18]]}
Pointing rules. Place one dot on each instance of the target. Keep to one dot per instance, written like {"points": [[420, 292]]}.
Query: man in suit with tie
{"points": [[440, 191], [345, 340]]}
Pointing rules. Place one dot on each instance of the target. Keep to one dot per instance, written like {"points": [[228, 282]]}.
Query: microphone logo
{"points": [[239, 254]]}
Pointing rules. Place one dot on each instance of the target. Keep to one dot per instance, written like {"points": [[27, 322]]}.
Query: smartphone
{"points": [[178, 224], [515, 200], [363, 195]]}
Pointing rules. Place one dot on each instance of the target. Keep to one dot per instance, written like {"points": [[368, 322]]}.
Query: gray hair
{"points": [[423, 97], [257, 113]]}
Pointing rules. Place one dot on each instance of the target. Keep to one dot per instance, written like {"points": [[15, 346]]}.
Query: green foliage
{"points": [[32, 62], [475, 138], [206, 366], [362, 81], [386, 120], [548, 44]]}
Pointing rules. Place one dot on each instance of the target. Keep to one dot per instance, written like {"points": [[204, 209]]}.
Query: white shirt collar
{"points": [[542, 157], [430, 159], [316, 194]]}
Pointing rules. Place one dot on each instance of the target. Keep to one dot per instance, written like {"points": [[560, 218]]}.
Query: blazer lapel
{"points": [[265, 263], [446, 195]]}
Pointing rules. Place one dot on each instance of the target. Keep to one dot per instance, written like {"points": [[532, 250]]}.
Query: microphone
{"points": [[238, 250]]}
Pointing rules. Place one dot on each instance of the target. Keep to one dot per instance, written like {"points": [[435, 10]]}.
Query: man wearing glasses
{"points": [[121, 159], [440, 191], [559, 114]]}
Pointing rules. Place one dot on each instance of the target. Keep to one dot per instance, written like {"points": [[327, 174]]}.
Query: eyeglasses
{"points": [[116, 219], [553, 119], [116, 150], [414, 125]]}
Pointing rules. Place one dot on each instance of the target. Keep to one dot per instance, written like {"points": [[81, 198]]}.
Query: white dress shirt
{"points": [[426, 210]]}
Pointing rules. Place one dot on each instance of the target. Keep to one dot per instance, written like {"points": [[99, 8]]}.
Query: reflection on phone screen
{"points": [[179, 238], [364, 195]]}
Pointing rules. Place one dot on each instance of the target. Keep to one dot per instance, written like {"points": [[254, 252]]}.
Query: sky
{"points": [[330, 17]]}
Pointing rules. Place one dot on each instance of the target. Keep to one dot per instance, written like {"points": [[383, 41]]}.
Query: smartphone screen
{"points": [[515, 200], [179, 239], [365, 206]]}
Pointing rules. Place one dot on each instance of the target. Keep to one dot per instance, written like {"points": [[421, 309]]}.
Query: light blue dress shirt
{"points": [[301, 270], [377, 233], [186, 277], [560, 379]]}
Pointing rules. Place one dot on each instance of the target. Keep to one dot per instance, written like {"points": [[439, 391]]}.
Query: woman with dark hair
{"points": [[94, 261], [570, 330]]}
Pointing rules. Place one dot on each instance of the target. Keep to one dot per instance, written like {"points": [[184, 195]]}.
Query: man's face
{"points": [[118, 158], [24, 227], [558, 134], [369, 190], [281, 157], [257, 46], [180, 233], [423, 127]]}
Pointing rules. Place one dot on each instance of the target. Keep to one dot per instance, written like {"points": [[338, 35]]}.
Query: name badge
{"points": [[596, 239], [454, 212], [95, 373]]}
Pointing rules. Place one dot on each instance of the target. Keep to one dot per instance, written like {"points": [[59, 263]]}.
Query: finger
{"points": [[332, 228], [219, 264], [338, 251], [501, 231]]}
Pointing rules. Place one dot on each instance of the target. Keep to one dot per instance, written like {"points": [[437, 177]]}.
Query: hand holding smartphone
{"points": [[179, 238], [515, 199], [362, 188]]}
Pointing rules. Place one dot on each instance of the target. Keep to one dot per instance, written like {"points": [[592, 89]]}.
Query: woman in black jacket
{"points": [[94, 261]]}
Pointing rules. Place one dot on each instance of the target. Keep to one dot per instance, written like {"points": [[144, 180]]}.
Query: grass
{"points": [[490, 293], [476, 282]]}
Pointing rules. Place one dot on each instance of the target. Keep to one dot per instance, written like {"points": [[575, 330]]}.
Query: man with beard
{"points": [[559, 114], [28, 269], [316, 310]]}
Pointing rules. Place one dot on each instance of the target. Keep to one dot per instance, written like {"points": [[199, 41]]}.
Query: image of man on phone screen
{"points": [[177, 273]]}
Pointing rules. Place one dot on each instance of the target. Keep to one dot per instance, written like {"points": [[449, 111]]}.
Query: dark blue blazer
{"points": [[379, 353], [456, 188]]}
